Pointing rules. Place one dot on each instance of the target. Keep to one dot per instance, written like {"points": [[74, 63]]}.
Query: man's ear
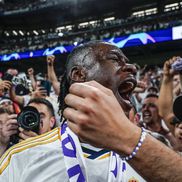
{"points": [[52, 122], [77, 74]]}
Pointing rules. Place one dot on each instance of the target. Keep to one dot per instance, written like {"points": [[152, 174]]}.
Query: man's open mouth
{"points": [[125, 90], [146, 114]]}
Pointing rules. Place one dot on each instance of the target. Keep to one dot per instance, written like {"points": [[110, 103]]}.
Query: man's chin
{"points": [[146, 121]]}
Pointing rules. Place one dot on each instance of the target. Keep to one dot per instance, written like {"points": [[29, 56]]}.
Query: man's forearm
{"points": [[51, 72], [33, 81], [155, 158], [166, 101], [153, 161]]}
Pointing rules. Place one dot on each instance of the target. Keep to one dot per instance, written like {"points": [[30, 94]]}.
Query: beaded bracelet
{"points": [[139, 144]]}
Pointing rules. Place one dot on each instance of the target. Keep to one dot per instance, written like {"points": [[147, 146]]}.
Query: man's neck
{"points": [[154, 126]]}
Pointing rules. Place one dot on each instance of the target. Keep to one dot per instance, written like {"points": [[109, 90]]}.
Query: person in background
{"points": [[52, 75], [166, 97], [30, 72], [4, 86], [7, 103], [8, 127], [47, 123], [152, 121]]}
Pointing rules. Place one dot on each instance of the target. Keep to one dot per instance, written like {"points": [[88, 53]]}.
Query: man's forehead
{"points": [[91, 52], [153, 100], [4, 101], [105, 48]]}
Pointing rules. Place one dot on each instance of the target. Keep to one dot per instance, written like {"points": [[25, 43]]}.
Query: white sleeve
{"points": [[26, 99]]}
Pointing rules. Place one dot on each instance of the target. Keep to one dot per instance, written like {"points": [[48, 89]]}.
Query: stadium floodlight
{"points": [[171, 7], [138, 13], [83, 24], [92, 22], [35, 32], [151, 11], [15, 33], [60, 28], [6, 33], [69, 27], [60, 34], [75, 43], [21, 32], [109, 18]]}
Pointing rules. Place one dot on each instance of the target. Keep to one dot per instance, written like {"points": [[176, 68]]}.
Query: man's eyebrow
{"points": [[120, 54], [41, 113]]}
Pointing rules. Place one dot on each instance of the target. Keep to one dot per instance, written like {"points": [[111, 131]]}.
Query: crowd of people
{"points": [[99, 30], [104, 120]]}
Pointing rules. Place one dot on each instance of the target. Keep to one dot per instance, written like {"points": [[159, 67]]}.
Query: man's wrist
{"points": [[127, 142], [50, 64], [167, 78]]}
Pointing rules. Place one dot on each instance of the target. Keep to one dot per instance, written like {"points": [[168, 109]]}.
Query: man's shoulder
{"points": [[41, 140]]}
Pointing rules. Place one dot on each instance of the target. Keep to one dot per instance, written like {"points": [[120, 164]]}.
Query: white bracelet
{"points": [[139, 144]]}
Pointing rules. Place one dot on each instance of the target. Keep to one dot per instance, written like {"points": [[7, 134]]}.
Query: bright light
{"points": [[138, 13], [60, 28], [7, 34], [43, 31], [35, 32], [83, 24], [177, 32], [93, 22], [60, 34], [75, 43], [147, 12], [21, 32], [15, 33], [171, 7], [69, 27], [109, 19]]}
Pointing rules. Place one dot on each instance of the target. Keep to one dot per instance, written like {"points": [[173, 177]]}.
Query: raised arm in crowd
{"points": [[52, 75], [166, 99]]}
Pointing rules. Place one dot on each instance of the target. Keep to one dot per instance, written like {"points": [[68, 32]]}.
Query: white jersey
{"points": [[41, 159]]}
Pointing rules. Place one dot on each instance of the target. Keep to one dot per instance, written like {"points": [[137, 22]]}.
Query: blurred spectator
{"points": [[52, 75], [9, 125], [32, 78], [166, 97], [5, 85], [152, 120], [7, 103]]}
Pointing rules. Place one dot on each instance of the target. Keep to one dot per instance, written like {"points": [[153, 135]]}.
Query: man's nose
{"points": [[145, 107], [130, 68]]}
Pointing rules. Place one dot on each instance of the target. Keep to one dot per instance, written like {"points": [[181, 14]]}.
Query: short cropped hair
{"points": [[45, 102]]}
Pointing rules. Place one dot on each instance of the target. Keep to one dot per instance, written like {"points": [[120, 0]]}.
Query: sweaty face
{"points": [[112, 70], [7, 104], [150, 110], [45, 117], [178, 132]]}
